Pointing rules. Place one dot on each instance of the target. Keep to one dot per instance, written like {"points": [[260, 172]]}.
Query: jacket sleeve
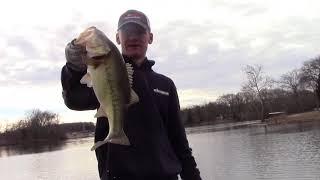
{"points": [[178, 138], [76, 96]]}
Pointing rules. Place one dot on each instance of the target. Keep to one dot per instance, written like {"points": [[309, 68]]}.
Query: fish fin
{"points": [[86, 79], [134, 98], [118, 138], [130, 73], [133, 95], [100, 113]]}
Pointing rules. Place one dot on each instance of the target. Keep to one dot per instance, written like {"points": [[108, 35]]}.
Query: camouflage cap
{"points": [[134, 16]]}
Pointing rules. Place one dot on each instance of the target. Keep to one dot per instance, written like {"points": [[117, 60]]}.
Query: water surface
{"points": [[243, 154]]}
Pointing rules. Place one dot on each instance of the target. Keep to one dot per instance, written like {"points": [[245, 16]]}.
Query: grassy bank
{"points": [[295, 118]]}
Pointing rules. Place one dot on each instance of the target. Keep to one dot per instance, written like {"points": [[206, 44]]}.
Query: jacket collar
{"points": [[146, 64]]}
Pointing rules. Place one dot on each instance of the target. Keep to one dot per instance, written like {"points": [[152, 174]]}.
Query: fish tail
{"points": [[98, 144], [114, 138], [118, 138]]}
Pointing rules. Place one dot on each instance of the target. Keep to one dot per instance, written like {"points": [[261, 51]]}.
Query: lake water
{"points": [[241, 154]]}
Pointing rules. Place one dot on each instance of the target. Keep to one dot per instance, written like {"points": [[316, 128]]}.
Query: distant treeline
{"points": [[294, 92], [240, 107], [40, 126], [78, 127]]}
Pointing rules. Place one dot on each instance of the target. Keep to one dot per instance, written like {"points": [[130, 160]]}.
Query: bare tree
{"points": [[311, 75], [292, 81], [249, 110], [235, 104], [37, 118], [257, 81]]}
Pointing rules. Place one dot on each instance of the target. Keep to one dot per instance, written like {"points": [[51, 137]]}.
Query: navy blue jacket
{"points": [[159, 147]]}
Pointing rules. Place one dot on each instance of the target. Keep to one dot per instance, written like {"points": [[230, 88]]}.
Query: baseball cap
{"points": [[134, 16]]}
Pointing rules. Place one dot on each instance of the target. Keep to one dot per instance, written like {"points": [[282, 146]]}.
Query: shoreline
{"points": [[278, 122], [283, 121], [72, 135]]}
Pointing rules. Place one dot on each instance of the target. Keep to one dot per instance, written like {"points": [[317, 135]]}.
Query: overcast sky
{"points": [[202, 45]]}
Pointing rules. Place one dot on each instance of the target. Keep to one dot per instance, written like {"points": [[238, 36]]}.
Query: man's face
{"points": [[134, 40]]}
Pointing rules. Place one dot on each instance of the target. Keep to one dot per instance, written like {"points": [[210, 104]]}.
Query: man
{"points": [[159, 148]]}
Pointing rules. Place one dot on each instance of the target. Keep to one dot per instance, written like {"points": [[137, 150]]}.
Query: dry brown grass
{"points": [[295, 118]]}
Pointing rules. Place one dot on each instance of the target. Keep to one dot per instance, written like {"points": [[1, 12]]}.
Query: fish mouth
{"points": [[96, 55]]}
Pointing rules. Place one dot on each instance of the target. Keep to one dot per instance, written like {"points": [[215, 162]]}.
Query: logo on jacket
{"points": [[161, 92]]}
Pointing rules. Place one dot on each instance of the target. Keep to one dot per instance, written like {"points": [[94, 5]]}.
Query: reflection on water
{"points": [[284, 152], [69, 160], [30, 148]]}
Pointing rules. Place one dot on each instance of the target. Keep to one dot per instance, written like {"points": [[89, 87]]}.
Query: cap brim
{"points": [[135, 22]]}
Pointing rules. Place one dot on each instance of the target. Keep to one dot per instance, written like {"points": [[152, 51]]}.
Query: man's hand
{"points": [[75, 56]]}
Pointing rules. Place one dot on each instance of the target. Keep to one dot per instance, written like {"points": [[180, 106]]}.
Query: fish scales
{"points": [[111, 78]]}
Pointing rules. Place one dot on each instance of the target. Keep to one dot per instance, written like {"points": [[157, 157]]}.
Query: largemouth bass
{"points": [[111, 80]]}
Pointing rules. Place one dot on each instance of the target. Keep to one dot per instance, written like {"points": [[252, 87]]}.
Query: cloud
{"points": [[220, 52], [21, 44], [191, 97], [212, 64], [191, 52], [202, 46], [37, 57]]}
